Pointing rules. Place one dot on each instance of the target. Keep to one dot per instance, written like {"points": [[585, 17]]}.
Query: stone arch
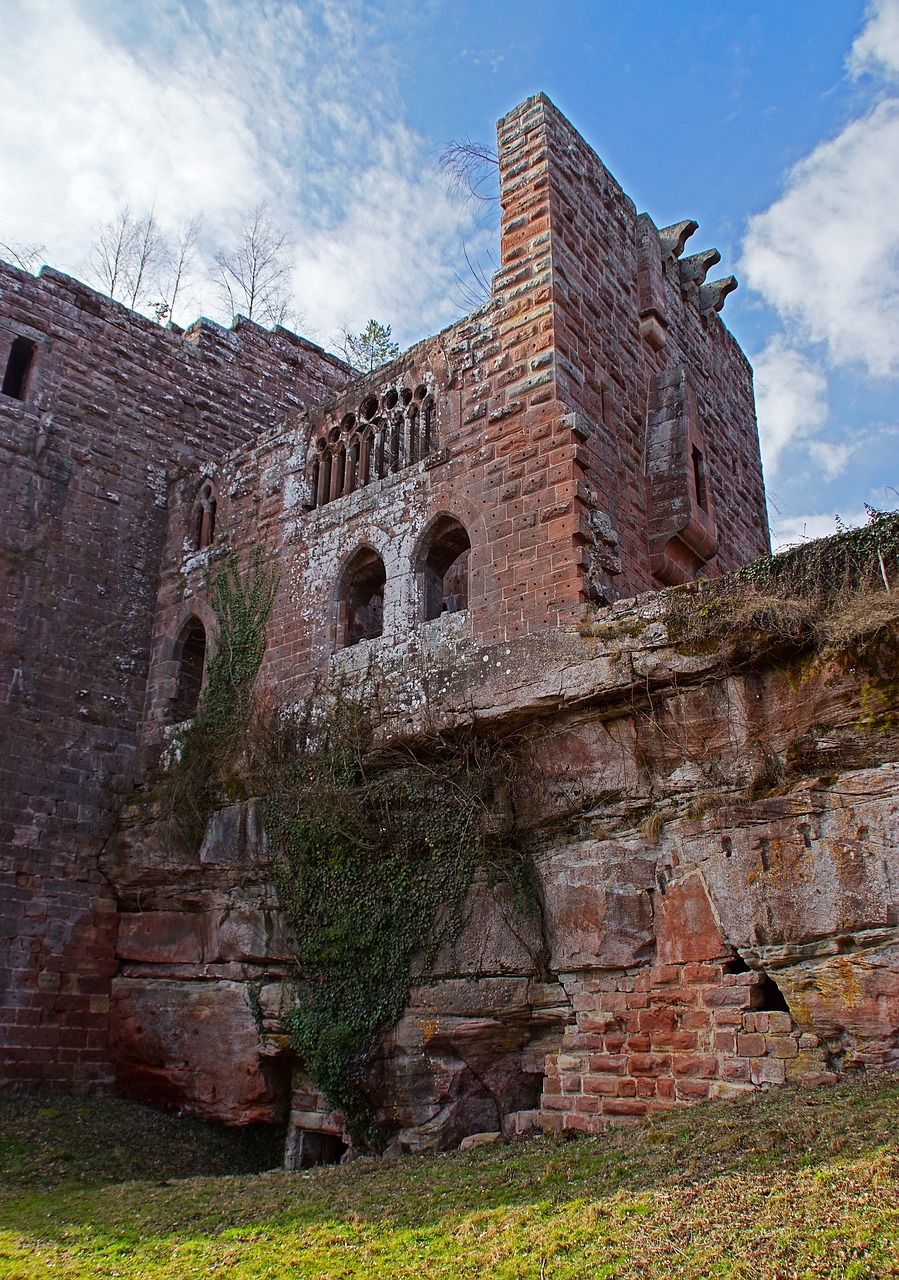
{"points": [[442, 567], [360, 598], [190, 656]]}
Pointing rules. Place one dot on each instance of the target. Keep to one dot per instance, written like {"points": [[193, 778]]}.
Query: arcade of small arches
{"points": [[384, 436]]}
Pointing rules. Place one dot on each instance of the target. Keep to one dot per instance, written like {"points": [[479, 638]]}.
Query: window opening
{"points": [[699, 477], [446, 569], [192, 661], [414, 452], [324, 480], [362, 603], [771, 998], [204, 517], [352, 467], [365, 459], [429, 415], [18, 367], [395, 444], [380, 452], [338, 472]]}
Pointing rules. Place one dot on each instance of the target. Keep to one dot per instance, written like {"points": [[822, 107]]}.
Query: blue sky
{"points": [[775, 126]]}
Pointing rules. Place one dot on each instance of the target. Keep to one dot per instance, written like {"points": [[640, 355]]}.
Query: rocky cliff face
{"points": [[716, 836]]}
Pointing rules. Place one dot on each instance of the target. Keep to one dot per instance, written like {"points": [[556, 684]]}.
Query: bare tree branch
{"points": [[178, 267], [27, 256], [149, 250], [471, 170], [254, 277], [112, 250]]}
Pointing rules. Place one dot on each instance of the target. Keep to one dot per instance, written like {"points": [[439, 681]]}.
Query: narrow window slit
{"points": [[18, 367]]}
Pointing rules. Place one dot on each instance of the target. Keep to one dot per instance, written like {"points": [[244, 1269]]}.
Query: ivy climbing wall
{"points": [[714, 833]]}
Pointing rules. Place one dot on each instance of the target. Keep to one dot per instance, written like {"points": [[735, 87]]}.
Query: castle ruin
{"points": [[581, 441]]}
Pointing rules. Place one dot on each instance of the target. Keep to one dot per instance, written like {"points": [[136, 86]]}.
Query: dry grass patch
{"points": [[831, 593]]}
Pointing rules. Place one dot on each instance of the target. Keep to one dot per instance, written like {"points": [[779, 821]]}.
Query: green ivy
{"points": [[207, 770], [373, 852], [373, 860]]}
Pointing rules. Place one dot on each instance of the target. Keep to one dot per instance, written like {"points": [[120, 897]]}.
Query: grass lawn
{"points": [[789, 1184]]}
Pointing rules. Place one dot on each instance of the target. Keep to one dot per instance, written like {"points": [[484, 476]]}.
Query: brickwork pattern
{"points": [[114, 406], [668, 1034], [543, 398]]}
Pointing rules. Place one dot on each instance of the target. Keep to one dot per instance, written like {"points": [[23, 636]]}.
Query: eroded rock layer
{"points": [[716, 841]]}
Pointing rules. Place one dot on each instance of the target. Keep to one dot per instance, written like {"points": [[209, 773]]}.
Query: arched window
{"points": [[338, 471], [365, 459], [191, 654], [18, 367], [414, 453], [361, 599], [203, 520], [396, 442], [428, 426], [444, 568], [381, 450], [352, 467], [324, 480]]}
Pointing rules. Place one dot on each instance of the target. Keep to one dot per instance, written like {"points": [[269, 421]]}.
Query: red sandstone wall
{"points": [[601, 254], [115, 405], [544, 397]]}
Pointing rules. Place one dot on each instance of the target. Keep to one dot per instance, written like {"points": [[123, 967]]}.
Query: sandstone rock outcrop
{"points": [[717, 841]]}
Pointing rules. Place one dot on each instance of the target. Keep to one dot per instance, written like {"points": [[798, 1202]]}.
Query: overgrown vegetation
{"points": [[788, 1184], [373, 851], [214, 742], [373, 858], [829, 593]]}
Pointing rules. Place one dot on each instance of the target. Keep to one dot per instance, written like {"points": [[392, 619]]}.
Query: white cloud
{"points": [[85, 128], [876, 48], [826, 254], [207, 109], [791, 400]]}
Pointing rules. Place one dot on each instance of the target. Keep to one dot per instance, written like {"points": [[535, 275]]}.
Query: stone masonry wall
{"points": [[544, 399], [569, 411], [114, 407], [608, 362]]}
